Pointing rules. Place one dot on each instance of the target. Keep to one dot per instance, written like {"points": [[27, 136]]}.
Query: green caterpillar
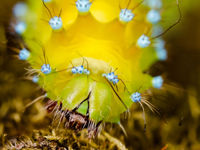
{"points": [[90, 56]]}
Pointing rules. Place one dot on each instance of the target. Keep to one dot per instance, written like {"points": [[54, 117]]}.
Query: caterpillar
{"points": [[91, 56]]}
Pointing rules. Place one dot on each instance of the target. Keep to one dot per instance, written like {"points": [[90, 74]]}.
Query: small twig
{"points": [[115, 141]]}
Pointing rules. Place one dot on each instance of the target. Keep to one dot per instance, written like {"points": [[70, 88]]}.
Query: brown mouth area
{"points": [[72, 119]]}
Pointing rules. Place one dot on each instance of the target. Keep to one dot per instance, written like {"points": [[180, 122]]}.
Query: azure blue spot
{"points": [[83, 6], [35, 79], [56, 23], [24, 54], [115, 81], [20, 9], [143, 41], [20, 27], [46, 69], [80, 70], [74, 70], [126, 15], [161, 54], [85, 71], [153, 16], [136, 97], [155, 4], [157, 82], [111, 77]]}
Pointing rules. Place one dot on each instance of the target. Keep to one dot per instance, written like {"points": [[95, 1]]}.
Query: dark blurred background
{"points": [[177, 128]]}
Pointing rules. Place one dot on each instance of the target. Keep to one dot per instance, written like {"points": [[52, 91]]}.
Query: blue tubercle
{"points": [[161, 54], [115, 80], [111, 77], [83, 6], [24, 54], [80, 70], [157, 82], [74, 70], [35, 79], [154, 4], [46, 69], [143, 41], [153, 16], [160, 49], [85, 71], [20, 9], [126, 15], [136, 97], [20, 27], [56, 23]]}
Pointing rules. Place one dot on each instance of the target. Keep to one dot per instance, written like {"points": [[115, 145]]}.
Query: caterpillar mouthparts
{"points": [[73, 120]]}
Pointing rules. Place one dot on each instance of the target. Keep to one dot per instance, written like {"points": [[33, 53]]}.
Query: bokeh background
{"points": [[177, 128]]}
